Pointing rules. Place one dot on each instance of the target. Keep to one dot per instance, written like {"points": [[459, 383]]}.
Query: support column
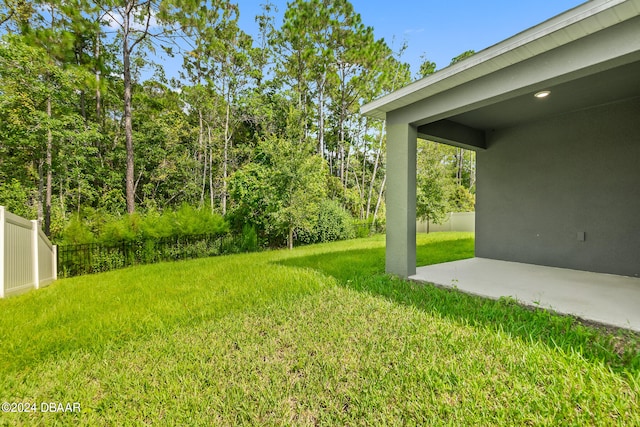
{"points": [[401, 198]]}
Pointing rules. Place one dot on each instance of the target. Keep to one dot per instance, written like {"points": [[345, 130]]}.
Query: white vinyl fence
{"points": [[454, 221], [27, 257]]}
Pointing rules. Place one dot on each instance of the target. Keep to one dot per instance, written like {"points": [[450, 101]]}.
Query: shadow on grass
{"points": [[363, 270]]}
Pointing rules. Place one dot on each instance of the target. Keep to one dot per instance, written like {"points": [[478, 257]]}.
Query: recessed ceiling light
{"points": [[542, 94]]}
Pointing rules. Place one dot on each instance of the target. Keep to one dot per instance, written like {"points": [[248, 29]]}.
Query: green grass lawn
{"points": [[314, 336]]}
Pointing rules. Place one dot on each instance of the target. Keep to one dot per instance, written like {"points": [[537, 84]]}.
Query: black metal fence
{"points": [[74, 260]]}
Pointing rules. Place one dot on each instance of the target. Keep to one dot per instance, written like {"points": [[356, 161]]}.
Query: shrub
{"points": [[363, 227], [249, 239], [77, 232], [188, 221], [333, 223], [105, 228], [127, 228]]}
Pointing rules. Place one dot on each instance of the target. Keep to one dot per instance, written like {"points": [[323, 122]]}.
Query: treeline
{"points": [[265, 132]]}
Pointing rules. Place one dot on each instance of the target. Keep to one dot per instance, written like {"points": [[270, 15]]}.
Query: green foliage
{"points": [[461, 200], [364, 228], [17, 199], [280, 192], [464, 55], [440, 174], [426, 68], [333, 223], [126, 228], [431, 183], [190, 221], [263, 130], [185, 221], [77, 232], [75, 260], [249, 239], [253, 194]]}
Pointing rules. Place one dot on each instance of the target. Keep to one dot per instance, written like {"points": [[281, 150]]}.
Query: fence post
{"points": [[2, 260], [34, 252], [54, 261]]}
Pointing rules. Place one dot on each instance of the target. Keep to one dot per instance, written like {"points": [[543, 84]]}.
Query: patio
{"points": [[552, 114], [603, 298]]}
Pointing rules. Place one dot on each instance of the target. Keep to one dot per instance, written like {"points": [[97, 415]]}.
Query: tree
{"points": [[220, 63], [426, 68], [38, 116], [133, 18], [461, 200], [394, 74], [16, 12], [281, 191], [431, 183], [166, 166]]}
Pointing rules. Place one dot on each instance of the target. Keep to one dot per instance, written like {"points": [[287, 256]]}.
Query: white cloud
{"points": [[114, 20]]}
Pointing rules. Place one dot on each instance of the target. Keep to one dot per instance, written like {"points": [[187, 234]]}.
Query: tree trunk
{"points": [[128, 125], [48, 164], [364, 166], [472, 174], [375, 213], [341, 155], [375, 171], [225, 161], [290, 238], [460, 165], [202, 155], [321, 117], [40, 168], [83, 108], [98, 94], [210, 167]]}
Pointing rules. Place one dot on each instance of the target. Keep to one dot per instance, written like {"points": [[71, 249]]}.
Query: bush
{"points": [[363, 227], [334, 223], [77, 232], [249, 239], [105, 228]]}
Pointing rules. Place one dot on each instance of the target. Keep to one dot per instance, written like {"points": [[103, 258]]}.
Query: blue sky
{"points": [[440, 29]]}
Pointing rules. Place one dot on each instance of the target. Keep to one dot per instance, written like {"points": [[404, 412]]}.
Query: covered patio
{"points": [[552, 114], [603, 298]]}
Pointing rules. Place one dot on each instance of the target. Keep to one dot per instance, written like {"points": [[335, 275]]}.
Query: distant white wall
{"points": [[455, 221]]}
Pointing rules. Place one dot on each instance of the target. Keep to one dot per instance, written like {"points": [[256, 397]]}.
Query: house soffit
{"points": [[554, 50]]}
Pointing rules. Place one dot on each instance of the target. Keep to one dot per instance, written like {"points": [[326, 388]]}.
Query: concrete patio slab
{"points": [[603, 298]]}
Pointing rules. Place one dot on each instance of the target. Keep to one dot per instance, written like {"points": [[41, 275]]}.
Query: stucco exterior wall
{"points": [[543, 184]]}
